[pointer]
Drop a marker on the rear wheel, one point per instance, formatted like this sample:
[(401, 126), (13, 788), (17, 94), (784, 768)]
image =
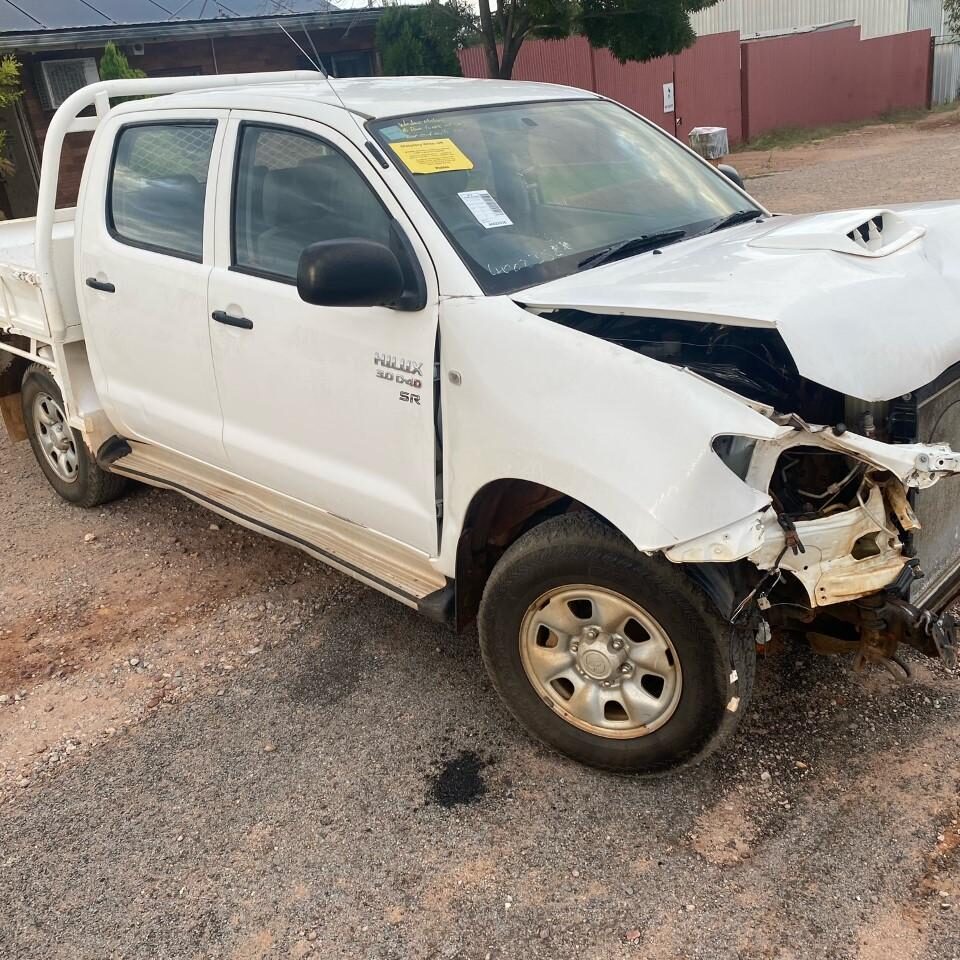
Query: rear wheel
[(615, 658), (60, 451)]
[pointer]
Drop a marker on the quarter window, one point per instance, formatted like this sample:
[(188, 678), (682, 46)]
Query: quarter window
[(293, 189), (158, 187)]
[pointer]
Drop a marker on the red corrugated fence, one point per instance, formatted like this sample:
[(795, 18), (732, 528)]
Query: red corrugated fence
[(549, 61), (707, 79), (805, 80), (639, 85), (817, 79)]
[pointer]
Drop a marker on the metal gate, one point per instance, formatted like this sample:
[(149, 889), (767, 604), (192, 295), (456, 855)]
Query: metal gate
[(707, 82), (946, 69)]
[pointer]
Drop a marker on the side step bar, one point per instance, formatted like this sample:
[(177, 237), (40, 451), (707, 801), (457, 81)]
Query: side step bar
[(390, 567), (111, 451)]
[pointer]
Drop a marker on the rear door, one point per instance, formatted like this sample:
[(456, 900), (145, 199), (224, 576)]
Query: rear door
[(145, 257), (331, 405)]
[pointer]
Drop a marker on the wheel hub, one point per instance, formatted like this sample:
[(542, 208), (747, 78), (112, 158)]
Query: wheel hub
[(55, 437), (599, 658), (600, 661)]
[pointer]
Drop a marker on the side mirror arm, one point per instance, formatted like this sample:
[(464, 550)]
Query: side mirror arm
[(414, 296), (731, 173)]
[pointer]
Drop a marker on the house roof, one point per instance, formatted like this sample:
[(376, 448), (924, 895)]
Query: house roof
[(28, 16), (56, 23)]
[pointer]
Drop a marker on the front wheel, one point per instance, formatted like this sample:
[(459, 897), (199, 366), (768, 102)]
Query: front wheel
[(60, 451), (612, 657)]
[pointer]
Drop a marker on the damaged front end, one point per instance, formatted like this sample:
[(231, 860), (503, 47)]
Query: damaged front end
[(834, 554), (846, 319), (839, 554)]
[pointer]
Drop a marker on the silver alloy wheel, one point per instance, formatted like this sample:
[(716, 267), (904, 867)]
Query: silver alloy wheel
[(600, 661), (56, 437)]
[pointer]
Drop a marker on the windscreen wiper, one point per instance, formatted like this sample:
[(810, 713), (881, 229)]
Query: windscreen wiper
[(627, 248), (732, 219)]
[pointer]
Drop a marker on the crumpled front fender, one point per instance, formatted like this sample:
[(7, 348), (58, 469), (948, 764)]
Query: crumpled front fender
[(527, 399), (847, 554), (915, 464)]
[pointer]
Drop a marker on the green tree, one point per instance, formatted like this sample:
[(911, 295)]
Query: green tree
[(629, 29), (115, 66), (10, 93), (402, 50), (424, 40), (951, 10)]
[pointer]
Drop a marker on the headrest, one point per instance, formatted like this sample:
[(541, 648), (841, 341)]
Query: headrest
[(447, 184), (287, 193)]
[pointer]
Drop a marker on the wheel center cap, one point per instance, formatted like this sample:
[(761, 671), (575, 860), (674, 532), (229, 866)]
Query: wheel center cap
[(596, 664)]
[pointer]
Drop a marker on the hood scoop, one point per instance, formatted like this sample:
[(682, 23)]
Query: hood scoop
[(860, 233)]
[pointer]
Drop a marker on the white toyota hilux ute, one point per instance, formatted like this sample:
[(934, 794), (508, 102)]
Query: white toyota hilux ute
[(506, 352)]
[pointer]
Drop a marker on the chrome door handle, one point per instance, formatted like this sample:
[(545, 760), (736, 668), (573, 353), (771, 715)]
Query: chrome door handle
[(102, 285), (221, 316)]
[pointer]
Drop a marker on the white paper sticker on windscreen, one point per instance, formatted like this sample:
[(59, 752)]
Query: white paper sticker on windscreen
[(488, 212)]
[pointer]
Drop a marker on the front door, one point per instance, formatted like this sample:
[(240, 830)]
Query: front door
[(331, 405), (145, 256)]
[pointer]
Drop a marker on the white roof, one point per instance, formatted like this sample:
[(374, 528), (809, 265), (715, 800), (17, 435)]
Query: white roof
[(375, 96)]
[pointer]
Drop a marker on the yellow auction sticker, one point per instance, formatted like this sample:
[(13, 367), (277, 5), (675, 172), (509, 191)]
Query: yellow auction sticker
[(431, 156)]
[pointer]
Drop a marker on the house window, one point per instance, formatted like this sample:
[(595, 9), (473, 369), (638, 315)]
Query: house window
[(356, 63), (57, 79), (176, 72)]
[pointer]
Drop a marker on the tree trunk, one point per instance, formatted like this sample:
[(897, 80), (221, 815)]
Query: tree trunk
[(509, 57), (489, 39), (512, 41)]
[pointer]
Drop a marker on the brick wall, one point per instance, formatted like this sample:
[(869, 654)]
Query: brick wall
[(243, 54)]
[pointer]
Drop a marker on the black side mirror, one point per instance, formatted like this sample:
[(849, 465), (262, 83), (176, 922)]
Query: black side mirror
[(731, 173), (349, 273)]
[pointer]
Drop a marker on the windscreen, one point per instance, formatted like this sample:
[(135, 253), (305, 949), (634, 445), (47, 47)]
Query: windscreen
[(527, 192)]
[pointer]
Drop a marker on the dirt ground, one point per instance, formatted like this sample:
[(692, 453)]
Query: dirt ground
[(874, 166), (212, 746)]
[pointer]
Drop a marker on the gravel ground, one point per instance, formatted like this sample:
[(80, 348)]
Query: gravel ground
[(211, 746), (874, 166)]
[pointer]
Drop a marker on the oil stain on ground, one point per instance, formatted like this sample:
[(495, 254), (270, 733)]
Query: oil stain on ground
[(458, 780)]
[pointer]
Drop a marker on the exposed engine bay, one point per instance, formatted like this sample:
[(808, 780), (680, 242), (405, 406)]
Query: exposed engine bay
[(753, 362), (835, 554)]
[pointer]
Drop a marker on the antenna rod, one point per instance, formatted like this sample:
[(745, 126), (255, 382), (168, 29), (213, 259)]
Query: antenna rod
[(310, 60), (318, 65)]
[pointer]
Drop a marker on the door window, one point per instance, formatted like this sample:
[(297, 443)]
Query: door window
[(158, 185), (293, 189)]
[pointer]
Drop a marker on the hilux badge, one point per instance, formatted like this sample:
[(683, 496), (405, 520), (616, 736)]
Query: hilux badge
[(408, 373), (393, 362)]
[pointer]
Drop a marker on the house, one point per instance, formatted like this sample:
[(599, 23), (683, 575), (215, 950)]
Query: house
[(59, 44)]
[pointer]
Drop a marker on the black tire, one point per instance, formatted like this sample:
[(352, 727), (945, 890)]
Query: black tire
[(717, 660), (90, 486)]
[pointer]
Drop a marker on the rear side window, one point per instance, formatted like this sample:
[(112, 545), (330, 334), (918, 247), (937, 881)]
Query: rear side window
[(293, 189), (158, 184)]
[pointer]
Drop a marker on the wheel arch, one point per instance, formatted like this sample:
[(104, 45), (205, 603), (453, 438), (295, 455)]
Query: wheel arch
[(504, 509), (499, 512), (89, 486)]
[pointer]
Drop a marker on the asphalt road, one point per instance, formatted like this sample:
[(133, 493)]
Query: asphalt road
[(214, 747)]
